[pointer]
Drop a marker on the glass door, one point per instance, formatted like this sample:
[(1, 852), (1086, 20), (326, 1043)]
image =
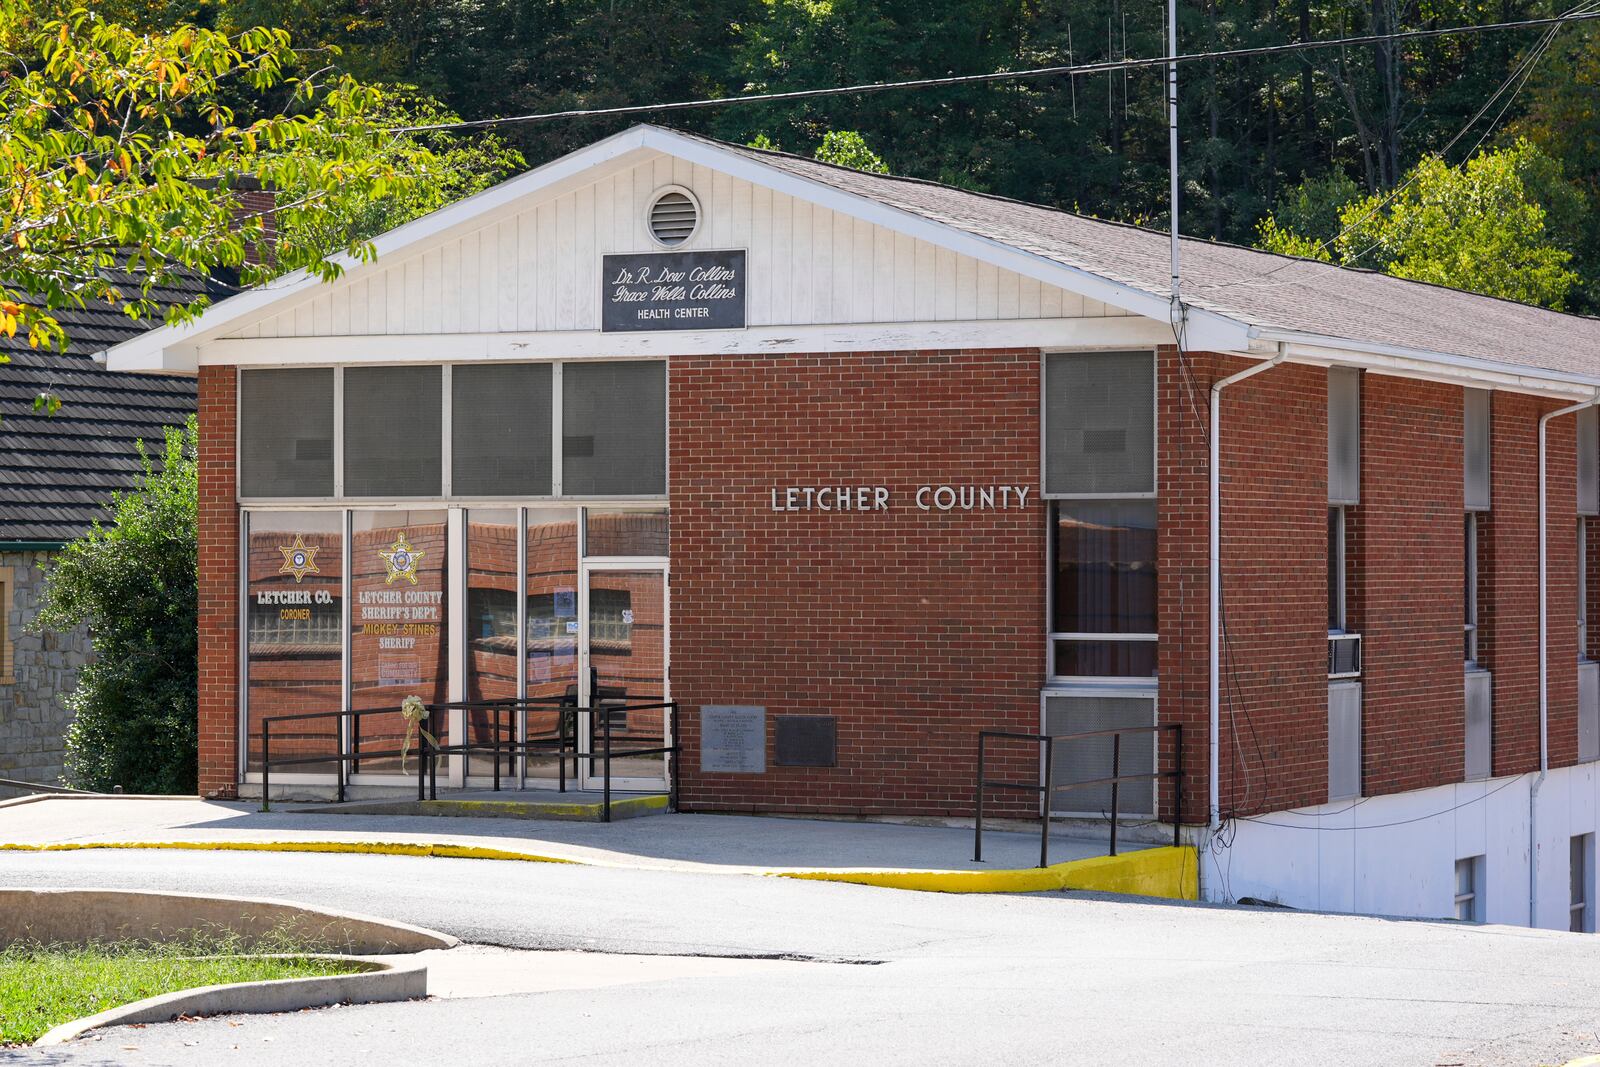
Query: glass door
[(623, 665)]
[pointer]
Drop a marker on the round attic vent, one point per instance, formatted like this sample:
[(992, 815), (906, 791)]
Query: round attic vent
[(674, 214)]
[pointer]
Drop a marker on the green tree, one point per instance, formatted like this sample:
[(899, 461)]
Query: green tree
[(119, 152), (847, 148), (1480, 227), (133, 584)]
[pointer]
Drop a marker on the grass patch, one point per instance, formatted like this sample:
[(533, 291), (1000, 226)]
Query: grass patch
[(43, 986)]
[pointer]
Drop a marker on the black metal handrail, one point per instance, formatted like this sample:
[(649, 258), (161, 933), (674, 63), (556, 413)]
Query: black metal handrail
[(1046, 788), (428, 750)]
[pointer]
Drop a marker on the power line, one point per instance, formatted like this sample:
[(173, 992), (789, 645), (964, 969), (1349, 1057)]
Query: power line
[(999, 76)]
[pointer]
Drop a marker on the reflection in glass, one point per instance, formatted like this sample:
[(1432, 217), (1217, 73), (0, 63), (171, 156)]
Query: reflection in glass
[(628, 651), (616, 532), (1105, 579), (294, 622), (1105, 583), (491, 631), (398, 633), (552, 652)]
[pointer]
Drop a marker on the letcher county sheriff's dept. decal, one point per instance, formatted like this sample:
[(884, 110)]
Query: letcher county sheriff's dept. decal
[(299, 559), (401, 559)]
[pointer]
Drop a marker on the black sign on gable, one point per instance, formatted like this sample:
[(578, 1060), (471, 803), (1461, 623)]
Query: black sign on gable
[(672, 291)]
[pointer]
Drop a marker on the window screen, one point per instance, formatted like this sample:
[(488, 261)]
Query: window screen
[(1090, 759), (500, 430), (1475, 448), (286, 432), (614, 429), (1344, 435), (392, 418), (1344, 740), (1100, 432), (1589, 462)]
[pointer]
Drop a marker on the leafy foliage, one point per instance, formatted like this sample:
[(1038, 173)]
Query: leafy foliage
[(120, 152), (133, 583), (847, 148), (1483, 227)]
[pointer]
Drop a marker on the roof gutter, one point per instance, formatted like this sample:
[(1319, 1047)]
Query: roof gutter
[(1420, 363), (1544, 658), (1214, 516)]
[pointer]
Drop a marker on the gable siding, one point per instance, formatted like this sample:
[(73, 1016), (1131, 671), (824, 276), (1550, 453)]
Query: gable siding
[(539, 270)]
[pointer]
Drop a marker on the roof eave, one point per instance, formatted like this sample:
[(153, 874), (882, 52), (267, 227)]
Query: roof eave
[(1416, 362)]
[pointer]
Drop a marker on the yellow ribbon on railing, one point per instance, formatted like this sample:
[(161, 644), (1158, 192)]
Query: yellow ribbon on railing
[(413, 711)]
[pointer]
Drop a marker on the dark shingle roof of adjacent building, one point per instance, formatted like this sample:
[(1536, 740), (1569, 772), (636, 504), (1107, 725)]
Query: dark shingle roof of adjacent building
[(57, 472), (1246, 284)]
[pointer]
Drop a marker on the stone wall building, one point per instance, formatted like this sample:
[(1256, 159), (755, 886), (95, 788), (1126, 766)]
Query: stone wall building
[(57, 475)]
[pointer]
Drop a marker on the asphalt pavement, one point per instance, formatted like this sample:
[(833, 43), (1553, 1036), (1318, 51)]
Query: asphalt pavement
[(909, 977)]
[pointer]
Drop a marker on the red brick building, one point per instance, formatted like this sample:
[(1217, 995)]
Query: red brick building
[(876, 464)]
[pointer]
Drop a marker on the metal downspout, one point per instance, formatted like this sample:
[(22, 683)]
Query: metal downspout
[(1214, 672), (1544, 664)]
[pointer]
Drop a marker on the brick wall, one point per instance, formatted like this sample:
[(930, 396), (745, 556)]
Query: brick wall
[(219, 584), (1274, 478), (915, 628), (1508, 584), (1406, 595)]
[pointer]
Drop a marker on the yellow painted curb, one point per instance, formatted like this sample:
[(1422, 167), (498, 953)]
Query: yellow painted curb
[(368, 848), (1173, 873)]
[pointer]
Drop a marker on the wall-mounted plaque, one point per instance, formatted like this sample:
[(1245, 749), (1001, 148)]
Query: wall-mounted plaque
[(672, 291), (806, 741), (733, 739)]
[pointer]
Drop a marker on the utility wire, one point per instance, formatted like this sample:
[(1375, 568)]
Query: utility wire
[(1000, 76)]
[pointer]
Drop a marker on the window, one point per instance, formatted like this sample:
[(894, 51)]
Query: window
[(1475, 449), (614, 429), (7, 669), (500, 429), (286, 432), (1336, 571), (1583, 589), (469, 431), (1469, 889), (623, 532), (392, 422), (1588, 443), (1344, 647), (1103, 603), (1581, 876), (1469, 589), (1099, 470), (294, 623), (1344, 435), (1100, 424)]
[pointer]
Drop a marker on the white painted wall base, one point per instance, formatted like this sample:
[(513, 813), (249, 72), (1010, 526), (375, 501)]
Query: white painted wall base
[(1395, 855)]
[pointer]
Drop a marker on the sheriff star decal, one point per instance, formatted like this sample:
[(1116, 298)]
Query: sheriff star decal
[(299, 559), (401, 559)]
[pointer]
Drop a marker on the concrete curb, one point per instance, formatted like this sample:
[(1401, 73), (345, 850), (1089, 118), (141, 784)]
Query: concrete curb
[(625, 808), (75, 916), (370, 848), (1171, 873), (384, 982)]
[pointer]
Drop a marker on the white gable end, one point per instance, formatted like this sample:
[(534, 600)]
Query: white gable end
[(515, 272), (538, 270)]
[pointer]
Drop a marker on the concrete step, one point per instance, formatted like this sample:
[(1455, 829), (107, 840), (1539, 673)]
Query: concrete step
[(539, 804)]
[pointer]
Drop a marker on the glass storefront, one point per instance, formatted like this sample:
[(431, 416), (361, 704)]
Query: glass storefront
[(416, 629), (294, 630)]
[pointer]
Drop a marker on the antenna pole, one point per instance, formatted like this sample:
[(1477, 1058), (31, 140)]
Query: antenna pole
[(1172, 152)]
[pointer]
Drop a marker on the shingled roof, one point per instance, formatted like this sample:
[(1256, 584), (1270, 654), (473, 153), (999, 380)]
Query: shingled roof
[(1258, 288), (57, 472)]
